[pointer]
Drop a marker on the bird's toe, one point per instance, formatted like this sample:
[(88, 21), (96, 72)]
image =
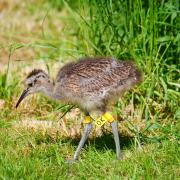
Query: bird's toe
[(120, 157)]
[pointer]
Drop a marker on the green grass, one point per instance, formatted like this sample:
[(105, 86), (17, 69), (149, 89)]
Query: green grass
[(146, 31), (33, 156)]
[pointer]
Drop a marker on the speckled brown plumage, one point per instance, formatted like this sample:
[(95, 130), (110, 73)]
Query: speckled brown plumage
[(90, 83), (93, 82), (35, 72)]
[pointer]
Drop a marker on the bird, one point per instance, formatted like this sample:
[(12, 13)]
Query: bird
[(91, 83)]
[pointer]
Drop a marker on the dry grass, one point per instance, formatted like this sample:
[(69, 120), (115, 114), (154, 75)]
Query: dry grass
[(27, 23)]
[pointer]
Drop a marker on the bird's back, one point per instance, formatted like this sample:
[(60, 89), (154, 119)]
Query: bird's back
[(97, 79)]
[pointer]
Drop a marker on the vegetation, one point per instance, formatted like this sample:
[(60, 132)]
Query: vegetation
[(43, 33)]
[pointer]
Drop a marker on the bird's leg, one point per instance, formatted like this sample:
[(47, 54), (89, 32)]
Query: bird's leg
[(110, 119), (116, 139), (83, 140), (84, 137)]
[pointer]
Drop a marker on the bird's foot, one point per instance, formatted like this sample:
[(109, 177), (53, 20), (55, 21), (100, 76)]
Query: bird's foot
[(120, 156), (71, 161), (116, 161)]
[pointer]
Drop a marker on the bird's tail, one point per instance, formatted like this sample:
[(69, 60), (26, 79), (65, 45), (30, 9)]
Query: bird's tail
[(135, 72), (138, 75)]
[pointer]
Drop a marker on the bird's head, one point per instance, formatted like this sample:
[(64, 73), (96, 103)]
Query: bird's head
[(36, 81)]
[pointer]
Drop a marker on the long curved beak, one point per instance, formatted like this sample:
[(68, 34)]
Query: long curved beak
[(23, 95)]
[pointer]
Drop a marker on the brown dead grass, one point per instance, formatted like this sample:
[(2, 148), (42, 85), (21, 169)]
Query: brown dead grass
[(24, 22), (71, 125)]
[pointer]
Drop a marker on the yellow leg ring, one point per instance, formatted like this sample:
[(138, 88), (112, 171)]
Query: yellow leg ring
[(103, 119), (87, 120), (108, 117)]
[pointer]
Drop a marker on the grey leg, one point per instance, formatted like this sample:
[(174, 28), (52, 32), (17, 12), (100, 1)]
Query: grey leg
[(82, 141), (116, 139)]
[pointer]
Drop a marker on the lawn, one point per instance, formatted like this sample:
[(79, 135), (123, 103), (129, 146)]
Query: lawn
[(35, 141)]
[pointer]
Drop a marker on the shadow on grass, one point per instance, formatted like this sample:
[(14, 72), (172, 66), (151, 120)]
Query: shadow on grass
[(104, 141)]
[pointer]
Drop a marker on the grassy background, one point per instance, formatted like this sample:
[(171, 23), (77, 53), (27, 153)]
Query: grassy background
[(46, 34)]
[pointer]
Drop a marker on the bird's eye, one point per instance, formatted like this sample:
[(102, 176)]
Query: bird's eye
[(30, 84)]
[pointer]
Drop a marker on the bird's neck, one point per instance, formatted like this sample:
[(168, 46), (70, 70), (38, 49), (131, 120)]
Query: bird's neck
[(50, 92)]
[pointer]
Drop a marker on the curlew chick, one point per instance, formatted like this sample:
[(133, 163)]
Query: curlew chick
[(90, 83)]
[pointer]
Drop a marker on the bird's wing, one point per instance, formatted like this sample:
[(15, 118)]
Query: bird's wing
[(94, 74), (65, 71), (107, 73)]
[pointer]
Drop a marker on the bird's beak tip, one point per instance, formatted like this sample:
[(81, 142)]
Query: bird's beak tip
[(23, 95)]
